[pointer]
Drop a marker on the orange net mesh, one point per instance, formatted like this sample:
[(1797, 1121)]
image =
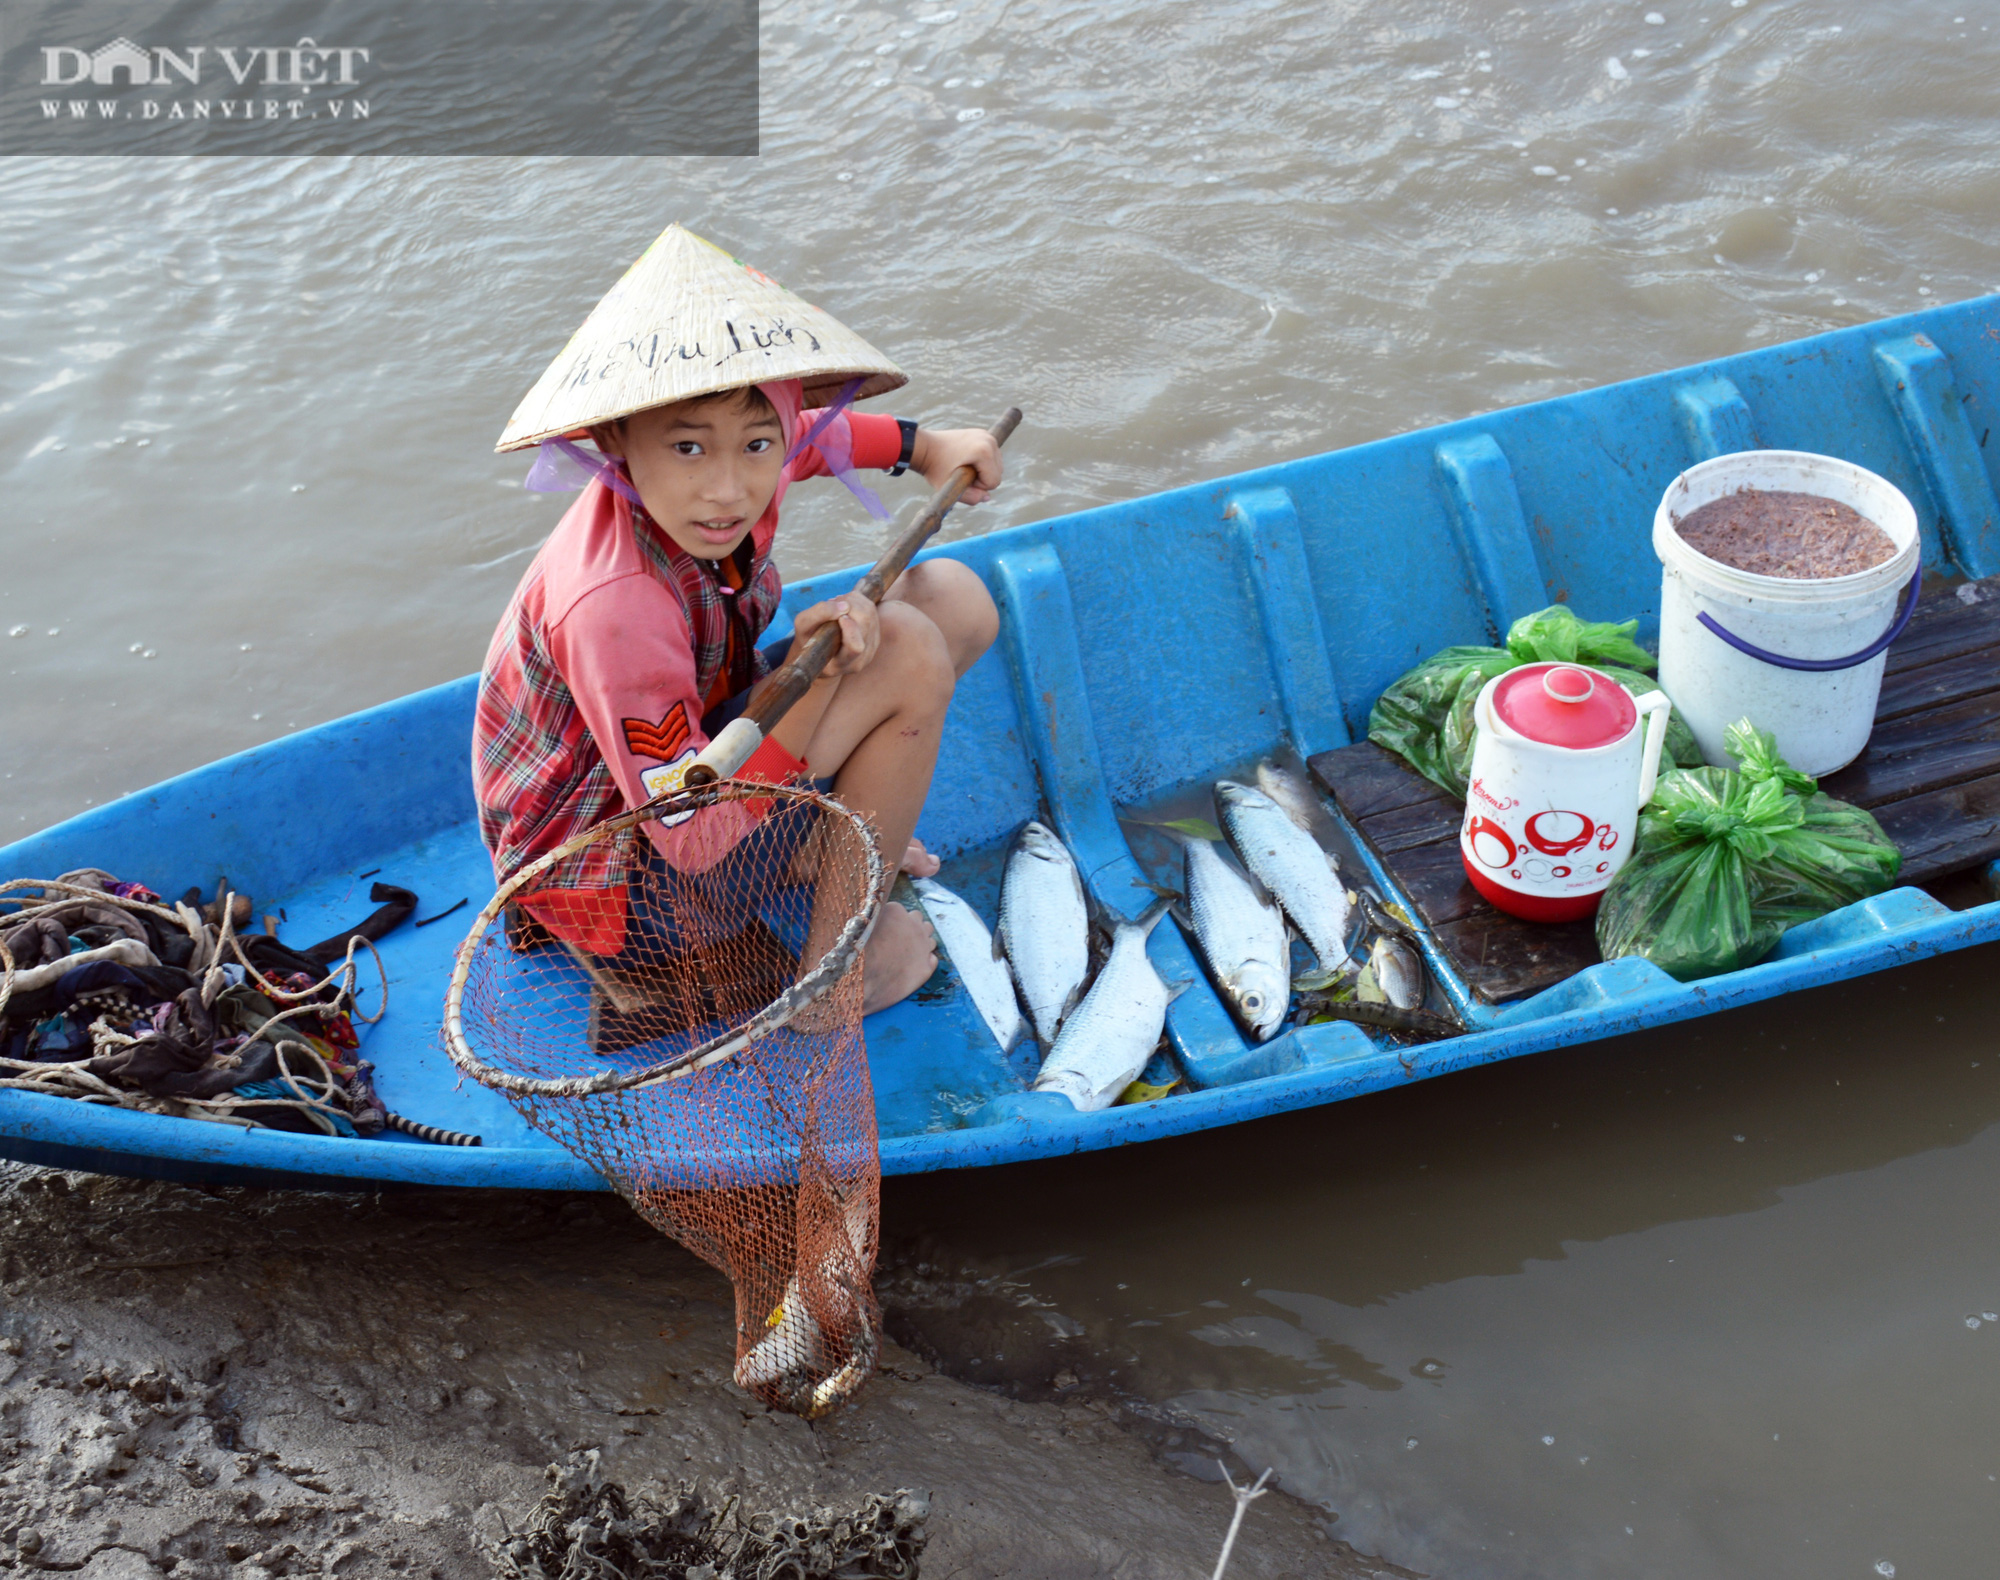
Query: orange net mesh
[(690, 1026)]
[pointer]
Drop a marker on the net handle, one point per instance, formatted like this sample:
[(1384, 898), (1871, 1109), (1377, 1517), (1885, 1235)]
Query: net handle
[(784, 686), (832, 966)]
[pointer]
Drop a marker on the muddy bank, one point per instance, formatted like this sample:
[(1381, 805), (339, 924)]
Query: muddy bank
[(243, 1383)]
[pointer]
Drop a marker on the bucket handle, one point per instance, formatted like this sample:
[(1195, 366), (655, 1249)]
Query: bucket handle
[(1820, 665)]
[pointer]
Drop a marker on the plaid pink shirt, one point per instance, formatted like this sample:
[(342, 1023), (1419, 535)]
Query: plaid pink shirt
[(591, 696)]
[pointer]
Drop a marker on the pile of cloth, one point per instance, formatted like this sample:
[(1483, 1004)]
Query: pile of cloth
[(109, 995)]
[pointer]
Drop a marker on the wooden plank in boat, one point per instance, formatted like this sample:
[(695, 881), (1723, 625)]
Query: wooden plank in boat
[(1365, 781), (1945, 831), (1946, 626), (1433, 876), (1938, 685), (1923, 751), (1425, 823), (1502, 958)]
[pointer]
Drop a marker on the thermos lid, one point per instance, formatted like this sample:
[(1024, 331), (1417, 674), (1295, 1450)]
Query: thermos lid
[(1564, 705)]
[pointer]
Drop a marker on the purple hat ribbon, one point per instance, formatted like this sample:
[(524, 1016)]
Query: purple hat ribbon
[(561, 467), (835, 443)]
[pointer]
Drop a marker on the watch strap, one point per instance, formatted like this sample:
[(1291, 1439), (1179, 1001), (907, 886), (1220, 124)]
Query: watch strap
[(909, 427)]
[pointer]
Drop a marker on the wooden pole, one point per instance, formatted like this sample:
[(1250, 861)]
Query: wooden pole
[(784, 686)]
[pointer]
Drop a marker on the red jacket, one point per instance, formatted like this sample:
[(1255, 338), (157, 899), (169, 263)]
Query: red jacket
[(593, 689)]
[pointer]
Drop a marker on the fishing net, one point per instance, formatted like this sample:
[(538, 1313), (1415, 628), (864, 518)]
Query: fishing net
[(675, 997)]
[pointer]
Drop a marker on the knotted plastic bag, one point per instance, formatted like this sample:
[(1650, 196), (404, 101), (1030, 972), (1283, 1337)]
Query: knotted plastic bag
[(1426, 717), (1725, 861)]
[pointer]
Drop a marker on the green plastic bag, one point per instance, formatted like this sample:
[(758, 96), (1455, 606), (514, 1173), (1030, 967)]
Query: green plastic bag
[(1724, 862), (1426, 717)]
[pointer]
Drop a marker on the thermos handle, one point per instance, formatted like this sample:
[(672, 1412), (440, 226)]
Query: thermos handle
[(1655, 706)]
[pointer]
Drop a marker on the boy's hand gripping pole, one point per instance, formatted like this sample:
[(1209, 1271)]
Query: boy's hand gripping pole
[(776, 693)]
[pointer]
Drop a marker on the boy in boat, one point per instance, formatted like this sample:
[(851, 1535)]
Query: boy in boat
[(633, 636)]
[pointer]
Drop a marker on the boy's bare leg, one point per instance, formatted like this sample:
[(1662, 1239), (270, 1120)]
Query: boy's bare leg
[(956, 601), (880, 735), (881, 730)]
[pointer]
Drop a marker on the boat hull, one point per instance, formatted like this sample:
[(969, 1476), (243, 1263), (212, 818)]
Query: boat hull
[(1320, 580)]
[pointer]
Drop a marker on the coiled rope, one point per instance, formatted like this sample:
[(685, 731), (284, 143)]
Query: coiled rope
[(316, 1090)]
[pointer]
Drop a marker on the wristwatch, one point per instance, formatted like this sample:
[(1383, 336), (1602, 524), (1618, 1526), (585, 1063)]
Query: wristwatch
[(909, 427)]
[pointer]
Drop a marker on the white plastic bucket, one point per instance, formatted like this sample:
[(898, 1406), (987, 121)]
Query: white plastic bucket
[(1820, 715)]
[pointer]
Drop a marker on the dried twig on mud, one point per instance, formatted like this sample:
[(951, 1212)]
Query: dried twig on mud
[(1244, 1496)]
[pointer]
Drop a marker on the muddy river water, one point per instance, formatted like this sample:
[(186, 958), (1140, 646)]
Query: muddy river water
[(1706, 1301)]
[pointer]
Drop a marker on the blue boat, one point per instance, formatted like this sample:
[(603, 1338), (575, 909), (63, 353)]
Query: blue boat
[(1147, 648)]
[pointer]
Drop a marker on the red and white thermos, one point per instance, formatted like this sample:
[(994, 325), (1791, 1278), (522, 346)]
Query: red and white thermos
[(1559, 772)]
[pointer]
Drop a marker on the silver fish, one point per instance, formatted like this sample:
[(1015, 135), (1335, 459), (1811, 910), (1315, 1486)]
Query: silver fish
[(791, 1342), (1399, 971), (1242, 935), (1044, 928), (1291, 793), (793, 1348), (784, 1362), (1106, 1043), (1289, 862), (976, 958)]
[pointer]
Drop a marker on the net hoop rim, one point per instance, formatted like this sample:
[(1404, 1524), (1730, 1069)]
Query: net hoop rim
[(832, 966)]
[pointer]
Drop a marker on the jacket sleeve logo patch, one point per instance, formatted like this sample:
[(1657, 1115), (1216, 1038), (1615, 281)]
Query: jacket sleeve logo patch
[(665, 780), (663, 741)]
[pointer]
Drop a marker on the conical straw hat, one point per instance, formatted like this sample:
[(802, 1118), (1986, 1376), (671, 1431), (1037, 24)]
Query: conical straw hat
[(687, 319)]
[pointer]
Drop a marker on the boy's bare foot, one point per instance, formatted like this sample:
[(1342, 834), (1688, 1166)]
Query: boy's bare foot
[(918, 862), (900, 955)]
